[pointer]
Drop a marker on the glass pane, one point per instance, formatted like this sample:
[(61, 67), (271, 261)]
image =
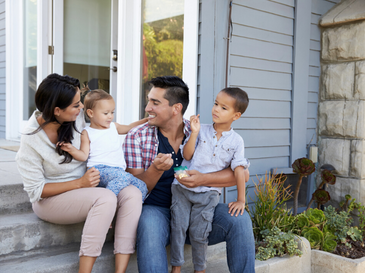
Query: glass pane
[(87, 36), (162, 35), (30, 56)]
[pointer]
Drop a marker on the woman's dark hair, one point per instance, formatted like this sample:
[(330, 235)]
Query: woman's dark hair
[(57, 91)]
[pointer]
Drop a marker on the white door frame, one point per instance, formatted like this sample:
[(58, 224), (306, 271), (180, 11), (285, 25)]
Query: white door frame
[(129, 67), (129, 57)]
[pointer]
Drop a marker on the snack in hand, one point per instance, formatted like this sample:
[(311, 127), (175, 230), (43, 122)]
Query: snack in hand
[(181, 171)]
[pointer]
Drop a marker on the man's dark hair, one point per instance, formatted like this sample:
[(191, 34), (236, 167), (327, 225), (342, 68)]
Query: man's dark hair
[(176, 90), (240, 96)]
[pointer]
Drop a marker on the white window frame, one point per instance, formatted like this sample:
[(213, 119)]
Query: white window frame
[(14, 61)]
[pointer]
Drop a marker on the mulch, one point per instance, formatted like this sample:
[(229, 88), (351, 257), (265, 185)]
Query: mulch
[(356, 251)]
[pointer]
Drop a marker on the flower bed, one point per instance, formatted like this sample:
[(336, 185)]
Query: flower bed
[(287, 264)]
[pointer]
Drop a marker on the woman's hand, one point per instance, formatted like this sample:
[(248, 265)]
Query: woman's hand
[(90, 179)]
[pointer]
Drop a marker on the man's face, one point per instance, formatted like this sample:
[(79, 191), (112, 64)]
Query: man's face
[(158, 107)]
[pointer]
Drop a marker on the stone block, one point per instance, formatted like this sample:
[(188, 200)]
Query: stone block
[(357, 166), (349, 186), (342, 118), (338, 81), (331, 118), (362, 193), (335, 191), (344, 43), (360, 80), (335, 152)]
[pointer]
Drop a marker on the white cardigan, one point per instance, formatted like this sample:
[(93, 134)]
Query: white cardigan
[(38, 161)]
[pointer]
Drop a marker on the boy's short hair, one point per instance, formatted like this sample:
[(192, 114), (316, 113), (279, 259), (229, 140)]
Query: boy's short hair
[(240, 96), (93, 97), (176, 90)]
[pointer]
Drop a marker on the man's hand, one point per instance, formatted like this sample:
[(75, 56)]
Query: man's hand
[(194, 180), (163, 162), (237, 207)]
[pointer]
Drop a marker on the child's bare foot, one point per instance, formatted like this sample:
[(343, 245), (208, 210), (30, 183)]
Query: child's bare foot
[(201, 271), (176, 269)]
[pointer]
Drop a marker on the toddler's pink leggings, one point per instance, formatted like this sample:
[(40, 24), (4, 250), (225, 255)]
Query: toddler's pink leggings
[(96, 206)]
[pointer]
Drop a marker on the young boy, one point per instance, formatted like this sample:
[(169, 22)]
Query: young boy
[(210, 148), (101, 145)]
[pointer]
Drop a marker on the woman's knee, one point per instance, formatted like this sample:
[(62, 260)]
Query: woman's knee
[(130, 194), (107, 198)]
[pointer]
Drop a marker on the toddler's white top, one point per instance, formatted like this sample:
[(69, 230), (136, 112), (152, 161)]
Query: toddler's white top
[(105, 147)]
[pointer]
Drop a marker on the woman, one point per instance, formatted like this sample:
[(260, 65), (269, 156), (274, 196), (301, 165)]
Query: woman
[(60, 190)]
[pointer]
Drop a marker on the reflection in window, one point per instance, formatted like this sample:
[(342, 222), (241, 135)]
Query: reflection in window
[(162, 35), (87, 32), (30, 56)]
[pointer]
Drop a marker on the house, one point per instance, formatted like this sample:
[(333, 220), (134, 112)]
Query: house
[(270, 48)]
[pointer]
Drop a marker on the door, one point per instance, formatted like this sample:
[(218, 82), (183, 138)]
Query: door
[(69, 37), (85, 42)]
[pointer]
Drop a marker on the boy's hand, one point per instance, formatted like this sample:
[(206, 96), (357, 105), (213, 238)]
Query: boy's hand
[(195, 123), (67, 147), (237, 207)]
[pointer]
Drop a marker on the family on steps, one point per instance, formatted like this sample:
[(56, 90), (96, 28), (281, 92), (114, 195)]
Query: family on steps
[(74, 173)]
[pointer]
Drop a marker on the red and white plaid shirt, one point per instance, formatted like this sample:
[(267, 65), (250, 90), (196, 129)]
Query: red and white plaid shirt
[(141, 145)]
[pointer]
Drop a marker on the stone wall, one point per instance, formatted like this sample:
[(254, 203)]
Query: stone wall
[(341, 125)]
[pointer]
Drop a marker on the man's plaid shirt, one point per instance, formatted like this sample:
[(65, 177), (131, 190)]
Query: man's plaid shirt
[(141, 145)]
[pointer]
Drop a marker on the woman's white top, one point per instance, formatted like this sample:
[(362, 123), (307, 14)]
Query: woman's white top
[(38, 161), (105, 147)]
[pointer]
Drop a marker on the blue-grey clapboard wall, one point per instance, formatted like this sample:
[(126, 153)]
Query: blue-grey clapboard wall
[(279, 70), (2, 69)]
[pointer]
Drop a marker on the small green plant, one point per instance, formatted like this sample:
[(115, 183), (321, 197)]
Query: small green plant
[(312, 224), (303, 167), (269, 208), (350, 205), (277, 243)]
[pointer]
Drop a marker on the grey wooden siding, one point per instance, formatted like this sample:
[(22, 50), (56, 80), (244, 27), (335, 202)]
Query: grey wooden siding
[(2, 69), (319, 7), (261, 60)]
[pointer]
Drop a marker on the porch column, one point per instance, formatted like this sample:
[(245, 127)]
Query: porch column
[(341, 120)]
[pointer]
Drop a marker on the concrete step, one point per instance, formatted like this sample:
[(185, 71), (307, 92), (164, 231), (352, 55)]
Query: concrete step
[(65, 260), (13, 199), (25, 231)]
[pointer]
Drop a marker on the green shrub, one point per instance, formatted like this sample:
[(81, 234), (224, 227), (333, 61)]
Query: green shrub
[(277, 243)]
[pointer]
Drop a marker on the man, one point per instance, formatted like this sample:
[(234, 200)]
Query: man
[(151, 152)]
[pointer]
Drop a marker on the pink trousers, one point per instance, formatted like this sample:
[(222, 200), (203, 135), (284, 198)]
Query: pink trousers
[(97, 207)]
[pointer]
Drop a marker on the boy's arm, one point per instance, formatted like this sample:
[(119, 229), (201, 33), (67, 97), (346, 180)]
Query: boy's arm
[(124, 129), (189, 147), (238, 207), (83, 153)]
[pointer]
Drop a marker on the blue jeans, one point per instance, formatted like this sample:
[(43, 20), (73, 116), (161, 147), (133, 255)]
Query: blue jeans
[(153, 235)]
